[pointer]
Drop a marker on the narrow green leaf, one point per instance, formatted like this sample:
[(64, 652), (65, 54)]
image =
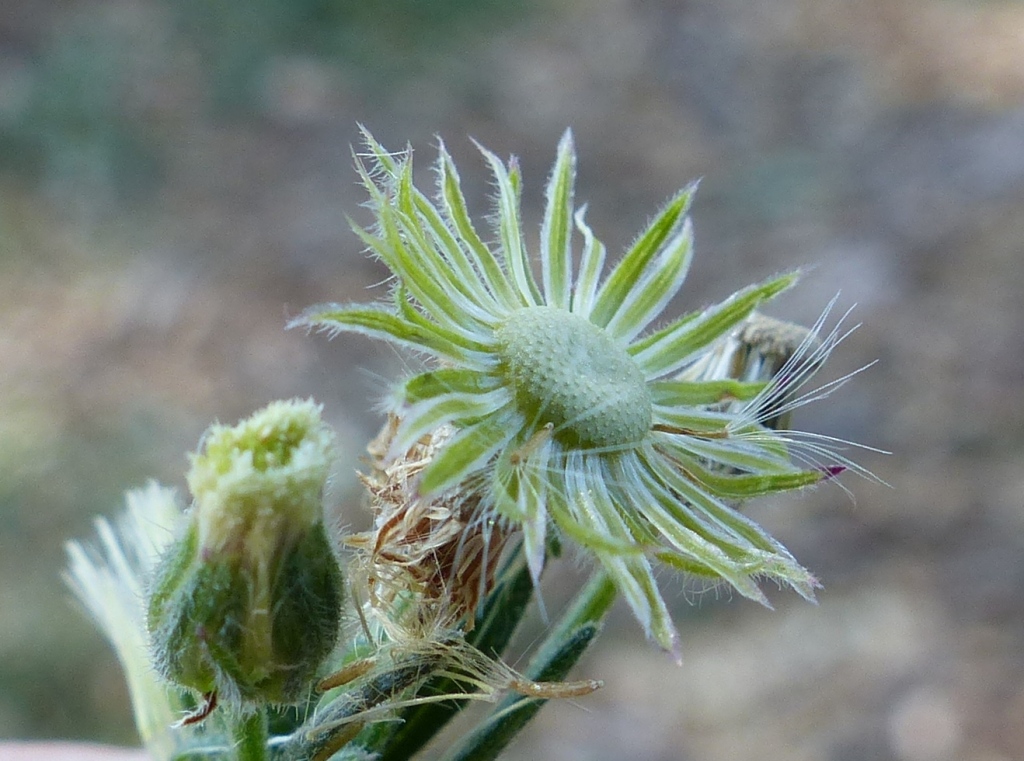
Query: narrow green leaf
[(504, 608), (497, 621), (565, 643), (489, 738), (249, 733)]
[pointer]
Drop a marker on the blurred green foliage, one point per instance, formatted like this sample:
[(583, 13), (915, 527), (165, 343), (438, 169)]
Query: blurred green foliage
[(72, 125), (381, 43), (92, 111)]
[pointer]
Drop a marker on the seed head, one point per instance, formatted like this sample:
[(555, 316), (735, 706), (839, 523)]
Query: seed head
[(562, 408)]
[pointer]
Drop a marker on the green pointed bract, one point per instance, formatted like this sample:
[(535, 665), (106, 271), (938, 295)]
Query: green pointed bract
[(567, 409), (460, 224), (375, 322), (555, 243), (510, 234), (430, 414), (471, 449), (670, 349), (445, 380), (675, 393), (623, 277), (521, 493), (655, 287), (594, 508), (591, 264)]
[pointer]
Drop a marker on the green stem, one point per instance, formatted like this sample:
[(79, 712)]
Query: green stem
[(589, 607), (249, 732), (563, 646), (494, 628)]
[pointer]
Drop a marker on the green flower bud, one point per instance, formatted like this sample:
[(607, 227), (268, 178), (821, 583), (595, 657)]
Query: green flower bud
[(246, 604)]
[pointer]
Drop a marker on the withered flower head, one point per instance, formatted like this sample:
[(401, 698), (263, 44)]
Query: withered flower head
[(429, 560)]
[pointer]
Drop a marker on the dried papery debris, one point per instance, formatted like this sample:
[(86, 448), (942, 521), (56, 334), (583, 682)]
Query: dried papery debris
[(429, 561)]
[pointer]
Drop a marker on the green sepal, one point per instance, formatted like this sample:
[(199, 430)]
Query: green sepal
[(196, 623), (207, 636), (171, 576), (307, 595)]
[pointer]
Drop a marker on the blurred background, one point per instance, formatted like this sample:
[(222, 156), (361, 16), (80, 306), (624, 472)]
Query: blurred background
[(174, 180)]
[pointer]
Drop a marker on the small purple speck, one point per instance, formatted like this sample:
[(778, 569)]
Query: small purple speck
[(831, 471)]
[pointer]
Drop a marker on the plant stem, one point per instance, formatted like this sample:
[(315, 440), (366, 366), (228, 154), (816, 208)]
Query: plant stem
[(563, 646), (589, 607), (249, 732), (500, 617)]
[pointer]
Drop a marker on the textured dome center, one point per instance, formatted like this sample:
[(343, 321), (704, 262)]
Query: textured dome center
[(567, 371)]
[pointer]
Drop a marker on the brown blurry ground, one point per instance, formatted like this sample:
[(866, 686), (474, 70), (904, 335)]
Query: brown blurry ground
[(173, 183)]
